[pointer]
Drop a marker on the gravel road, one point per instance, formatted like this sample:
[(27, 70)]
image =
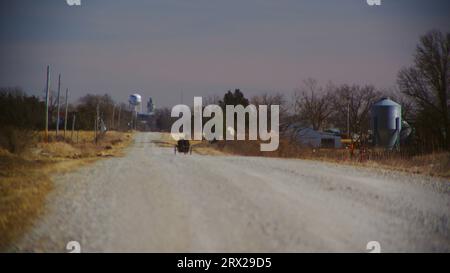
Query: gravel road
[(153, 201)]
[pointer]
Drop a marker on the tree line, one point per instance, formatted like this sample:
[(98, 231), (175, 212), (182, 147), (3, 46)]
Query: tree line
[(422, 91), (22, 115)]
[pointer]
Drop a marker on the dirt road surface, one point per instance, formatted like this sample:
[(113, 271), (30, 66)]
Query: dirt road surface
[(154, 201)]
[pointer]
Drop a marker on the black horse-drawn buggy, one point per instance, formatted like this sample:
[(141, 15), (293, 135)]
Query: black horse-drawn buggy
[(183, 146)]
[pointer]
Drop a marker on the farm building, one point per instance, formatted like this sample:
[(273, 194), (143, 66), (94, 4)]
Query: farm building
[(309, 137)]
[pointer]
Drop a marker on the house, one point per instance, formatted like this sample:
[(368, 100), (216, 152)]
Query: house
[(309, 137)]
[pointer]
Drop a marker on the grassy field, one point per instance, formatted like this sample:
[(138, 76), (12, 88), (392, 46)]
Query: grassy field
[(25, 178), (434, 164)]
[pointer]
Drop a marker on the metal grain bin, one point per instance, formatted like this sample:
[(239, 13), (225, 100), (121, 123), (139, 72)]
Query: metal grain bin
[(386, 120)]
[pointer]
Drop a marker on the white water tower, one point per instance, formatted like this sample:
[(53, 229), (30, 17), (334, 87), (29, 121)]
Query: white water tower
[(135, 101)]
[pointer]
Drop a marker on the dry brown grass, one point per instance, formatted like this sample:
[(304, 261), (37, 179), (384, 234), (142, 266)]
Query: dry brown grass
[(25, 178), (23, 189), (434, 164)]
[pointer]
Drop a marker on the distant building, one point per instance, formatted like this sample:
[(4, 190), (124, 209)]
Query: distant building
[(309, 137), (150, 106)]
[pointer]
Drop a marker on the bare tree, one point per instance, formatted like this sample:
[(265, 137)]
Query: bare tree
[(212, 99), (52, 103), (427, 83), (313, 104), (163, 119), (87, 109), (406, 102), (352, 107), (270, 99), (20, 117)]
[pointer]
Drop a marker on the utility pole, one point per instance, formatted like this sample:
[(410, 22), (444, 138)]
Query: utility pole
[(118, 120), (47, 90), (73, 126), (96, 123), (58, 109), (112, 121), (348, 119), (65, 118), (95, 129), (132, 114)]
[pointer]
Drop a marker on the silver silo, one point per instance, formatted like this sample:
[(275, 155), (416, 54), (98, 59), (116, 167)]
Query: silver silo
[(386, 120)]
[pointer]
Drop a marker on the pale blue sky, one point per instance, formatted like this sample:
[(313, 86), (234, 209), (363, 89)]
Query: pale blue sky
[(160, 48)]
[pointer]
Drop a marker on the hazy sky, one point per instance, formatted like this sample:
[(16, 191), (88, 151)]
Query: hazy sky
[(161, 48)]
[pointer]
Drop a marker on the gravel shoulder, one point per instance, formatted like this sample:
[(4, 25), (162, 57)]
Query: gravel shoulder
[(153, 201)]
